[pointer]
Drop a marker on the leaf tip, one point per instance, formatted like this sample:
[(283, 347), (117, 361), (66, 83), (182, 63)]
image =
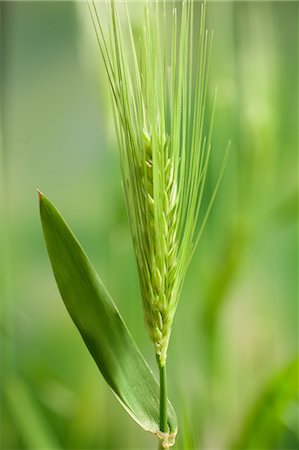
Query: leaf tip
[(40, 194)]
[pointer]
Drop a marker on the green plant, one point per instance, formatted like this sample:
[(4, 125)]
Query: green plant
[(160, 117)]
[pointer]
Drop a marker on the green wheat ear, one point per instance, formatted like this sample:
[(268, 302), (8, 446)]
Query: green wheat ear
[(159, 97)]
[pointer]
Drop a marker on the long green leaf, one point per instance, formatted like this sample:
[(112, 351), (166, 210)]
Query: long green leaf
[(100, 324)]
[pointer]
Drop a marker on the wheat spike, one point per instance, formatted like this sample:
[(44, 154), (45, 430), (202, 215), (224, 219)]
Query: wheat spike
[(159, 96)]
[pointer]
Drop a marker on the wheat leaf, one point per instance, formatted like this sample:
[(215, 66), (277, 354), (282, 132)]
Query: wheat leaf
[(100, 324)]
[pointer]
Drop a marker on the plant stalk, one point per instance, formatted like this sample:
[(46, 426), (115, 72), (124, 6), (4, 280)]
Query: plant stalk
[(163, 398), (160, 447)]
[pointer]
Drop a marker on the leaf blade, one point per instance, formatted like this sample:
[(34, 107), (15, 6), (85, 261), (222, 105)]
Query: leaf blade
[(100, 324)]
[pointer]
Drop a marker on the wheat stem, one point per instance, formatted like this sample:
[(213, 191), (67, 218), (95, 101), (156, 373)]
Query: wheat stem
[(163, 397), (160, 445)]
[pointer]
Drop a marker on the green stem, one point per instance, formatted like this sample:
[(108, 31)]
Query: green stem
[(160, 447), (163, 398)]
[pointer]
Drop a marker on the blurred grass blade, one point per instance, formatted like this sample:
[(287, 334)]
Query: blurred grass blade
[(187, 430), (264, 424), (100, 324), (29, 421)]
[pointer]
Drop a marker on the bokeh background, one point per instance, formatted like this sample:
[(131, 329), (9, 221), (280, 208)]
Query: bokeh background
[(232, 373)]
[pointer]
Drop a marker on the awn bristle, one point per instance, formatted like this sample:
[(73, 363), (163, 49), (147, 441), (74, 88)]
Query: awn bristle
[(159, 102)]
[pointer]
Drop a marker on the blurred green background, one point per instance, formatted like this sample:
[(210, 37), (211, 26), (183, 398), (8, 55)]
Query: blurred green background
[(232, 373)]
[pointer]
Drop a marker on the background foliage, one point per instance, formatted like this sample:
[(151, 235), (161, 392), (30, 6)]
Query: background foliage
[(232, 376)]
